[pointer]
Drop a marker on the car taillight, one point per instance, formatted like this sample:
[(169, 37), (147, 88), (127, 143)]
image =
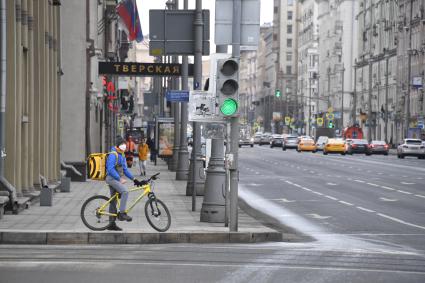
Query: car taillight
[(386, 146), (301, 144), (354, 146), (371, 146)]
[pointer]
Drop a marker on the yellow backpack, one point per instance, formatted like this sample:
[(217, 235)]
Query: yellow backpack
[(97, 165)]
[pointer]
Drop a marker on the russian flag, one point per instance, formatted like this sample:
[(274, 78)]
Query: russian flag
[(127, 10)]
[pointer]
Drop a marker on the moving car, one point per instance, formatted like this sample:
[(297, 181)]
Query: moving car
[(334, 146), (411, 147), (257, 137), (306, 144), (321, 141), (276, 140), (265, 138), (246, 140), (290, 142), (377, 147), (357, 146)]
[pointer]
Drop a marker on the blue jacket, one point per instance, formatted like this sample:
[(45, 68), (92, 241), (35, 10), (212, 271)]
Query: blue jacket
[(111, 161)]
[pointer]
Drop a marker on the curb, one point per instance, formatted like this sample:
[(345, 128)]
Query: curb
[(100, 238)]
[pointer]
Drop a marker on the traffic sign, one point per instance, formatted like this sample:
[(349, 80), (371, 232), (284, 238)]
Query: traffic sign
[(330, 116), (202, 107), (287, 120), (320, 121), (177, 95)]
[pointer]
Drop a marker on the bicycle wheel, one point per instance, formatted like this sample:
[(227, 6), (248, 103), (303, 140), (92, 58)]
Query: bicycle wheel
[(157, 215), (90, 216)]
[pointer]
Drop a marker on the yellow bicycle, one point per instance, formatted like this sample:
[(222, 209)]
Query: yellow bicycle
[(96, 210)]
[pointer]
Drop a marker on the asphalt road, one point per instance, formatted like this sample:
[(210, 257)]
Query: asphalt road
[(378, 199), (277, 262)]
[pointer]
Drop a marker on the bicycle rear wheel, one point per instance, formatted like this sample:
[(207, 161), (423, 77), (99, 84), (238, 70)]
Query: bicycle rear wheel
[(90, 213), (158, 215)]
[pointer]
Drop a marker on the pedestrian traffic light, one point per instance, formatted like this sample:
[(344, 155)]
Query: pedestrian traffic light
[(227, 87), (331, 124), (278, 93)]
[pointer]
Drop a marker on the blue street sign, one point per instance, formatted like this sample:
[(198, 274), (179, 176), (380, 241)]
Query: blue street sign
[(177, 95)]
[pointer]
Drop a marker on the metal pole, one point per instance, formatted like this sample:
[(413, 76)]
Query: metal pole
[(182, 169), (342, 99), (354, 94), (309, 104), (196, 161), (387, 56), (234, 126), (369, 103), (409, 73)]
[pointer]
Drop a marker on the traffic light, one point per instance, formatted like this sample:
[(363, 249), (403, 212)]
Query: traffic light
[(277, 93), (227, 87), (331, 124)]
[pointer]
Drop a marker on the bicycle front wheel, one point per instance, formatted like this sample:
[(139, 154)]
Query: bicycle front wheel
[(91, 215), (158, 215)]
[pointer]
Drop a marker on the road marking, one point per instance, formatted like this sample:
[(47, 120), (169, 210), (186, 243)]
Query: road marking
[(421, 196), (257, 173), (289, 182), (317, 216), (388, 199), (346, 203), (307, 189), (359, 181), (317, 193), (407, 183), (283, 200), (365, 209), (400, 221), (419, 178), (312, 172), (387, 188), (332, 198), (372, 184), (255, 185), (331, 184), (404, 192)]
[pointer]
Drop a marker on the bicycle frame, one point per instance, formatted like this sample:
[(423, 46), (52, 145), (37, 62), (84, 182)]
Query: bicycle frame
[(147, 189)]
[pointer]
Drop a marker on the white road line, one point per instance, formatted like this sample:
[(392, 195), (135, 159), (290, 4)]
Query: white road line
[(289, 182), (257, 173), (421, 196), (365, 209), (407, 183), (307, 189), (372, 184), (387, 188), (359, 181), (317, 193), (401, 221), (404, 192), (346, 203), (332, 198)]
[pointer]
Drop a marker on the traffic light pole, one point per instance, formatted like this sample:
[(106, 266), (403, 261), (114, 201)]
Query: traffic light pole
[(234, 124)]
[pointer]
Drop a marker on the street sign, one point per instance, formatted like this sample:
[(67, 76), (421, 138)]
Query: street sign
[(142, 69), (287, 120), (320, 122), (330, 116), (171, 32), (202, 107), (417, 82), (177, 95), (250, 22)]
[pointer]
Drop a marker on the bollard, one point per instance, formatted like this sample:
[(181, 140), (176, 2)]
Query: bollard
[(213, 206), (46, 196), (65, 184)]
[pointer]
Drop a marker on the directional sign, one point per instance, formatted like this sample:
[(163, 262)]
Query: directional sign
[(202, 107), (177, 95)]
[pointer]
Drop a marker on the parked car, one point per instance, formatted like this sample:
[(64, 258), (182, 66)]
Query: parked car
[(411, 147), (246, 140), (276, 140), (265, 138), (320, 143), (377, 147), (306, 144), (257, 137), (357, 146), (290, 142), (334, 146)]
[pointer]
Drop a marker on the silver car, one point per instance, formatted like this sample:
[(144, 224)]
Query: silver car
[(321, 141), (290, 142), (411, 147), (257, 137)]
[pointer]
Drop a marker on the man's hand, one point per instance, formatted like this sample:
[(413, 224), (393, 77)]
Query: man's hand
[(123, 181), (138, 183)]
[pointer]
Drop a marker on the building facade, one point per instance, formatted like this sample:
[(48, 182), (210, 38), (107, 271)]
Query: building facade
[(308, 61), (337, 53), (30, 96)]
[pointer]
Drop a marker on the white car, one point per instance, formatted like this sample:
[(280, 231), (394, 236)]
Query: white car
[(257, 137), (411, 147), (321, 141)]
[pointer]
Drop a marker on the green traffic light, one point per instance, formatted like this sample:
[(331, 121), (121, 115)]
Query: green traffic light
[(278, 93), (229, 107)]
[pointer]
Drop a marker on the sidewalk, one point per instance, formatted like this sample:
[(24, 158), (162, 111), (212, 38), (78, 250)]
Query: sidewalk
[(61, 222)]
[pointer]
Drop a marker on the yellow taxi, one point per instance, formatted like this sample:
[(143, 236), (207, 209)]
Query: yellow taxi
[(307, 144), (334, 146)]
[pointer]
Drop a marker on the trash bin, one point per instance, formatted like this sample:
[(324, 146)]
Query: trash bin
[(46, 196)]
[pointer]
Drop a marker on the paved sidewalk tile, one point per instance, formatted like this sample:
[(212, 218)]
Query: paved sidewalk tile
[(64, 215)]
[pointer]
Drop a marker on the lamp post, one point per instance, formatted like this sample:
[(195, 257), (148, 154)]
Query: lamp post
[(342, 97)]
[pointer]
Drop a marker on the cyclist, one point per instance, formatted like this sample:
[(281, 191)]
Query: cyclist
[(116, 167)]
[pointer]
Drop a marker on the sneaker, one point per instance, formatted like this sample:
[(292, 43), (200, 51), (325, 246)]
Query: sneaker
[(123, 216), (114, 227)]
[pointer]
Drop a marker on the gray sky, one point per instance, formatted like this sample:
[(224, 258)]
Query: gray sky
[(145, 5)]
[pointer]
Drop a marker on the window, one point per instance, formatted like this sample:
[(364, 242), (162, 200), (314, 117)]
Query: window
[(288, 56), (289, 15), (276, 9), (289, 29), (288, 70), (290, 2), (289, 42)]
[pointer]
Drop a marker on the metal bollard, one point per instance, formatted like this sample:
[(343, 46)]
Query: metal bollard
[(46, 196), (65, 184), (213, 206)]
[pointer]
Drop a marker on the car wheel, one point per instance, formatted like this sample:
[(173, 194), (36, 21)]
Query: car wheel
[(252, 145), (240, 146), (299, 151), (343, 153), (351, 153), (271, 146), (325, 153), (368, 153), (386, 153), (314, 151), (283, 148), (401, 156)]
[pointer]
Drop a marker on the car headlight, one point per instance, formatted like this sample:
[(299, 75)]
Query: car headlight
[(252, 139)]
